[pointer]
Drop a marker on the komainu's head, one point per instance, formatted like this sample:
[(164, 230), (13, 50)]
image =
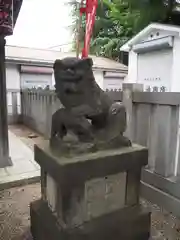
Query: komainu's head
[(71, 69), (73, 79)]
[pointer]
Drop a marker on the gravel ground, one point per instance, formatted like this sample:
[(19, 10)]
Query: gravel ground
[(14, 211), (15, 219), (164, 226)]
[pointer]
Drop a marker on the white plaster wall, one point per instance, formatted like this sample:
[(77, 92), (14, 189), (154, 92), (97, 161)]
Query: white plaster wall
[(155, 69), (12, 76), (161, 65), (12, 82), (98, 74), (158, 68), (175, 79), (111, 83), (29, 80), (132, 68)]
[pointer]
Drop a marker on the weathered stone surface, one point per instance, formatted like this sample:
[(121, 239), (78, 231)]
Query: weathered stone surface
[(89, 116), (127, 224), (51, 192), (95, 198), (87, 192), (105, 195), (80, 189), (74, 171)]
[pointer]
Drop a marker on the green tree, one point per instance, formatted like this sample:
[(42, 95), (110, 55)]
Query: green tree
[(113, 27), (117, 26), (118, 20), (163, 11)]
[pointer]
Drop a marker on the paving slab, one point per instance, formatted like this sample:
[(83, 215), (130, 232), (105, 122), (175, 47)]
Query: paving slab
[(24, 169)]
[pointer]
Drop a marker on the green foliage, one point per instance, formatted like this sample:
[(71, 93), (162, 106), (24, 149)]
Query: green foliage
[(118, 20), (164, 11), (115, 26)]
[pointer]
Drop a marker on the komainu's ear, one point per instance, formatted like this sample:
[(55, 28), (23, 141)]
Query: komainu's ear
[(88, 61), (57, 64)]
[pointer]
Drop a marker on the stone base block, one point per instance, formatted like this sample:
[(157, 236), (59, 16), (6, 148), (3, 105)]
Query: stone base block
[(131, 223), (78, 189)]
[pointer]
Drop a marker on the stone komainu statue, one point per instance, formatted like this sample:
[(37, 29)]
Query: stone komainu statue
[(89, 120)]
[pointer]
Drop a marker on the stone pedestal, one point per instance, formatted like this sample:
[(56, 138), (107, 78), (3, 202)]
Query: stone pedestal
[(90, 196)]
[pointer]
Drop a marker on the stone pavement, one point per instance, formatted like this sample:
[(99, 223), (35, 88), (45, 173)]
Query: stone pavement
[(24, 169)]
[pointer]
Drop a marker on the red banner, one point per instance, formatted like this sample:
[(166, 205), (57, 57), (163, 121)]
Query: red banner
[(9, 10)]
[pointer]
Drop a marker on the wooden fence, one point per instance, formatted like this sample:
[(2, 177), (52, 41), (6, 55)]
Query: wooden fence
[(37, 107), (153, 120)]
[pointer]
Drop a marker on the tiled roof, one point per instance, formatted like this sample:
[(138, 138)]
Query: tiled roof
[(49, 56), (153, 26)]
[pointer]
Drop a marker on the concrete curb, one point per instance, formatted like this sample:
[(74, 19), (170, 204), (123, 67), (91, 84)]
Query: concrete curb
[(19, 180)]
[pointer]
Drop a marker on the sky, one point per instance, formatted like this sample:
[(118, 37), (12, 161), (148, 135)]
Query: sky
[(42, 24)]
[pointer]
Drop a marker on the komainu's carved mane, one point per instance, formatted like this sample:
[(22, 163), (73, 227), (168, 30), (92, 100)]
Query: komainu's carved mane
[(89, 116)]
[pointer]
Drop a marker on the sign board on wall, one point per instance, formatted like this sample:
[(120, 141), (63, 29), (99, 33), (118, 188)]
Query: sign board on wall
[(113, 83), (35, 80), (154, 70), (36, 76)]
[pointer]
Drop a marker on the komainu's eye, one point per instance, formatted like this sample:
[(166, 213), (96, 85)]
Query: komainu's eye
[(70, 70), (114, 111)]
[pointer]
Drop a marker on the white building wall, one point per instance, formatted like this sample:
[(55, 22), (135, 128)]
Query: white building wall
[(98, 74), (12, 82), (12, 76), (160, 68), (30, 80), (132, 68), (114, 80), (155, 69), (175, 79), (16, 80)]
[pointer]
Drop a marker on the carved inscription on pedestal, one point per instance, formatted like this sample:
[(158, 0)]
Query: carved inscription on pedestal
[(105, 195), (96, 198)]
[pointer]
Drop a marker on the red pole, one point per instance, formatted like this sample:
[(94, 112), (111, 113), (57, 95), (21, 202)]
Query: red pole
[(90, 11)]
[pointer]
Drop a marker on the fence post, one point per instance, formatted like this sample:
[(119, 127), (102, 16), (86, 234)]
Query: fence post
[(128, 89), (48, 113), (14, 105), (22, 106)]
